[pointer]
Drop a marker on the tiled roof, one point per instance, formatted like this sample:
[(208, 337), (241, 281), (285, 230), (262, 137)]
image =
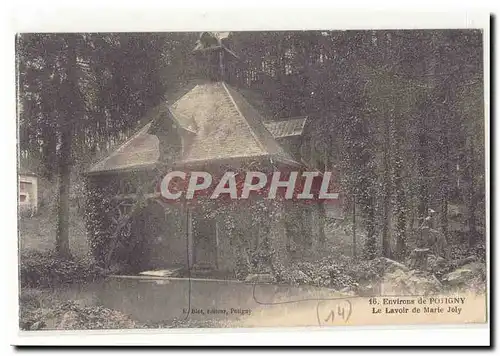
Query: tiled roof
[(286, 127), (209, 41), (22, 169), (228, 126), (141, 149), (22, 172), (224, 124)]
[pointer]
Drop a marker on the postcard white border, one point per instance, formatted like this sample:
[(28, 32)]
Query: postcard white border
[(126, 17)]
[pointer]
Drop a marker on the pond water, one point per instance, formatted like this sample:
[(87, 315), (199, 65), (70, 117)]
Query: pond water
[(156, 301)]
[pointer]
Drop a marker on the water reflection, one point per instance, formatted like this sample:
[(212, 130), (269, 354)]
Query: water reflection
[(161, 300)]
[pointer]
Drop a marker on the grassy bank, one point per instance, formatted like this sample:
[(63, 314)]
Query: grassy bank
[(39, 232), (42, 309), (42, 269)]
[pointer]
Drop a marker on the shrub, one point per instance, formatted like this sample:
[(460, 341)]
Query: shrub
[(242, 266), (337, 273), (186, 323), (30, 298), (71, 316), (263, 258), (366, 270), (47, 269)]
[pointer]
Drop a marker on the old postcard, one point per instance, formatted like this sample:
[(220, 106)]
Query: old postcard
[(243, 179)]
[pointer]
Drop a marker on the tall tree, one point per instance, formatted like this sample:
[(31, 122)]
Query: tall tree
[(71, 113), (80, 94)]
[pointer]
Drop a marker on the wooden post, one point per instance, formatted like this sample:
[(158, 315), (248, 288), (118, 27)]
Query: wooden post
[(221, 64), (354, 227), (189, 236), (216, 245)]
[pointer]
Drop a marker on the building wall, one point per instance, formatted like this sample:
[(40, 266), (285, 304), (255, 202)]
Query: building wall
[(237, 235), (171, 243), (226, 252), (169, 247), (278, 235), (238, 244), (28, 192)]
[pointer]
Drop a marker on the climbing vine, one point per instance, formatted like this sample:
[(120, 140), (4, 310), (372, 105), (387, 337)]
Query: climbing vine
[(108, 219), (97, 217), (258, 240)]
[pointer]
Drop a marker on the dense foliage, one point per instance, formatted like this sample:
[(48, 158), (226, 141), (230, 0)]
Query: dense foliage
[(397, 114), (39, 311), (48, 269), (335, 273)]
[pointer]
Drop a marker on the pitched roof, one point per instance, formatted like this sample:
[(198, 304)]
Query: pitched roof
[(224, 124), (228, 126), (142, 149), (209, 41), (25, 172), (22, 168), (286, 127)]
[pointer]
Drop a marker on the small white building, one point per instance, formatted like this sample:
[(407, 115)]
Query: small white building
[(28, 191)]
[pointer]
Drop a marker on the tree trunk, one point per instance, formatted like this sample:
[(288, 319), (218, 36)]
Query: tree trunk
[(445, 191), (71, 103), (400, 196), (423, 174), (471, 199), (321, 227), (386, 248), (424, 138), (371, 242), (354, 242), (400, 218), (62, 237)]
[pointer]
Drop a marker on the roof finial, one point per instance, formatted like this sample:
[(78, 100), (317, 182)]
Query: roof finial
[(212, 44)]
